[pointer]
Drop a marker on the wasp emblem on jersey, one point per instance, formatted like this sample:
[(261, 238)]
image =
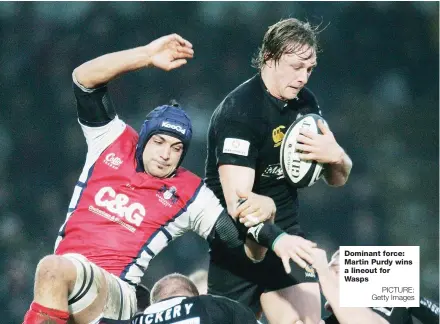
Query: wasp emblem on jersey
[(309, 272), (278, 135)]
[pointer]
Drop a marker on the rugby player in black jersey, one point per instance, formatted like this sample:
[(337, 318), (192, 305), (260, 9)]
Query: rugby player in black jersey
[(244, 139), (175, 299)]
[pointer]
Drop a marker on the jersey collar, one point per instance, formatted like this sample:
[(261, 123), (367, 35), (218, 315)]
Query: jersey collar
[(280, 104)]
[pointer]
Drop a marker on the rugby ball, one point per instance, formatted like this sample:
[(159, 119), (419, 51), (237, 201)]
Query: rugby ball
[(299, 173)]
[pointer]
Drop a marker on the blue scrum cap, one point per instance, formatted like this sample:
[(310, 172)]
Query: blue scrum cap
[(169, 120)]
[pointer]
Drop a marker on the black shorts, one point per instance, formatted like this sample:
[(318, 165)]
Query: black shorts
[(233, 275)]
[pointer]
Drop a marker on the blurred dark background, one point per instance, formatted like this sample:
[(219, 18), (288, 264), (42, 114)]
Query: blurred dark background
[(377, 83)]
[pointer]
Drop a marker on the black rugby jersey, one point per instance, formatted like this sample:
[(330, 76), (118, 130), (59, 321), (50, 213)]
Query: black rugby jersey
[(204, 309), (427, 313), (246, 129), (396, 315)]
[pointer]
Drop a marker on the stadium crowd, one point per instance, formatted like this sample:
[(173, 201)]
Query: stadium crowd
[(378, 82)]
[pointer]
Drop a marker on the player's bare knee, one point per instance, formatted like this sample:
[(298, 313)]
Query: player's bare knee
[(54, 268)]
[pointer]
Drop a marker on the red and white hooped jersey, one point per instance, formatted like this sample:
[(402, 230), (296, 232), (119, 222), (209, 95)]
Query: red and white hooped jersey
[(119, 218)]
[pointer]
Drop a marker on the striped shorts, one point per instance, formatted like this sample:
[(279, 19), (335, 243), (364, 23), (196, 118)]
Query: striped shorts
[(121, 299)]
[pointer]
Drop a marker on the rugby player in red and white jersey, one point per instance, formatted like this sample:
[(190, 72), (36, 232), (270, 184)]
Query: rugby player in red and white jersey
[(131, 200)]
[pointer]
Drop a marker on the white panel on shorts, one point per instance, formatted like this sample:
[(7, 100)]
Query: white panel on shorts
[(121, 300), (87, 283)]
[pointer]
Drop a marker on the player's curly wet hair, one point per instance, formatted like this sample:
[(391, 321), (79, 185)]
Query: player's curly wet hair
[(286, 36)]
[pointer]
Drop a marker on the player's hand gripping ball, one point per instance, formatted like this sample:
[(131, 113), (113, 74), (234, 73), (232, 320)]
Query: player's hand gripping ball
[(300, 173)]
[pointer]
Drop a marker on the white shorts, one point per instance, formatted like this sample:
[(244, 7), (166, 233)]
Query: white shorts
[(121, 300)]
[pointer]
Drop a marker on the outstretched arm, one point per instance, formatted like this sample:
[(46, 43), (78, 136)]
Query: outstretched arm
[(211, 221), (166, 53), (287, 247), (96, 112), (330, 289)]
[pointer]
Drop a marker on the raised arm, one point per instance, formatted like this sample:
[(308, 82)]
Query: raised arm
[(328, 281), (95, 109), (166, 53)]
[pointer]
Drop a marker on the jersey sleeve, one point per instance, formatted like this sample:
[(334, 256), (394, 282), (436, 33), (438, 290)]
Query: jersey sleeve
[(100, 127), (204, 211), (99, 138), (94, 106), (236, 138), (225, 310)]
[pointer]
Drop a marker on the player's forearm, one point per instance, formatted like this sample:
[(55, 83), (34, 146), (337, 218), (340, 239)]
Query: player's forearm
[(336, 174), (265, 234), (329, 287), (233, 179), (330, 290), (227, 232), (105, 68)]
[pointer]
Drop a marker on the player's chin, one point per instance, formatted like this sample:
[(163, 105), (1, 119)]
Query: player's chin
[(291, 93), (159, 172)]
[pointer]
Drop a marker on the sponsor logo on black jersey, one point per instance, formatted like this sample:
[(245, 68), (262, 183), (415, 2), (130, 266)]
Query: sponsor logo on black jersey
[(273, 171)]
